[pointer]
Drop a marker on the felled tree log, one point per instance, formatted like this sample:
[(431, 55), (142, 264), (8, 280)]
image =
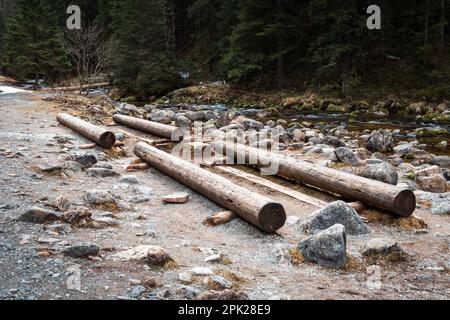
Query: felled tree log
[(380, 195), (102, 137), (258, 210), (154, 128)]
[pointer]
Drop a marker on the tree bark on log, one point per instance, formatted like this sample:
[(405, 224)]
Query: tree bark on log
[(258, 210), (102, 137), (154, 128), (380, 195)]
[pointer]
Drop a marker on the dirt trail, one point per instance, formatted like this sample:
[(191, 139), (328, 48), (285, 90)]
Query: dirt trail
[(256, 263)]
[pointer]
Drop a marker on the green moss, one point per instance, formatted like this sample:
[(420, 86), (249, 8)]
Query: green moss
[(129, 99), (335, 108), (411, 176), (410, 156), (431, 132)]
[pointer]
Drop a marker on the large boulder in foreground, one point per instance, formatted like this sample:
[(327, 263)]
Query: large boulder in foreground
[(337, 212), (327, 248)]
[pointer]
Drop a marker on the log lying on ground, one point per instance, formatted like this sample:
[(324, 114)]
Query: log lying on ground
[(102, 137), (258, 210), (157, 129), (380, 195)]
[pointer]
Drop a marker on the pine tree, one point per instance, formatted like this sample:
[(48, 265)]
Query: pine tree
[(34, 42), (145, 48)]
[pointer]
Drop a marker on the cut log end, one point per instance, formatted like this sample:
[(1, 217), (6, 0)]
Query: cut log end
[(272, 217), (405, 203), (107, 140)]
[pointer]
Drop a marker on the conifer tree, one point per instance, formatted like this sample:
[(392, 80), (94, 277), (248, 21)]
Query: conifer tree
[(34, 45)]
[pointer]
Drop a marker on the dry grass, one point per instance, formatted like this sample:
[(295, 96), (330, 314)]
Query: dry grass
[(409, 224), (296, 257)]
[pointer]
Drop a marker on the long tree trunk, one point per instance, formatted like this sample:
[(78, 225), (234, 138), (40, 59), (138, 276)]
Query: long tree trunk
[(262, 212), (397, 200)]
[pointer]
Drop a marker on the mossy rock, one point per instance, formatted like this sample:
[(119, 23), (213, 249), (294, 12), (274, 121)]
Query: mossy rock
[(411, 176), (129, 99), (354, 113), (335, 108), (431, 132)]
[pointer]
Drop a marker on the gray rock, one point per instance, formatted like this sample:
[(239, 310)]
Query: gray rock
[(442, 161), (101, 173), (86, 160), (127, 109), (347, 156), (130, 179), (188, 292), (434, 183), (182, 122), (327, 248), (333, 141), (250, 124), (382, 247), (139, 199), (9, 207), (137, 291), (219, 282), (84, 250), (337, 212), (72, 166), (382, 172), (226, 295), (380, 141), (39, 216), (447, 174), (103, 165), (99, 197), (50, 168)]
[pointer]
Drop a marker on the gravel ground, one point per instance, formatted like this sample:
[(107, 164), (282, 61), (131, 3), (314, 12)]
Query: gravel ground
[(33, 266)]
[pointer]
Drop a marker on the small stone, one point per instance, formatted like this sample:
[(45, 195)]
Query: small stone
[(327, 248), (219, 282), (98, 197), (50, 168), (153, 255), (347, 156), (62, 203), (428, 171), (435, 183), (176, 198), (337, 212), (441, 161), (382, 247), (202, 271), (101, 173), (185, 277), (382, 172), (86, 160), (213, 258), (137, 291), (380, 141), (129, 180), (72, 166), (188, 292), (82, 251), (226, 295), (39, 216), (103, 165)]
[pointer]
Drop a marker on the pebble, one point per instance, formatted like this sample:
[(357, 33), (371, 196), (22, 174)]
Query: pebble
[(176, 198)]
